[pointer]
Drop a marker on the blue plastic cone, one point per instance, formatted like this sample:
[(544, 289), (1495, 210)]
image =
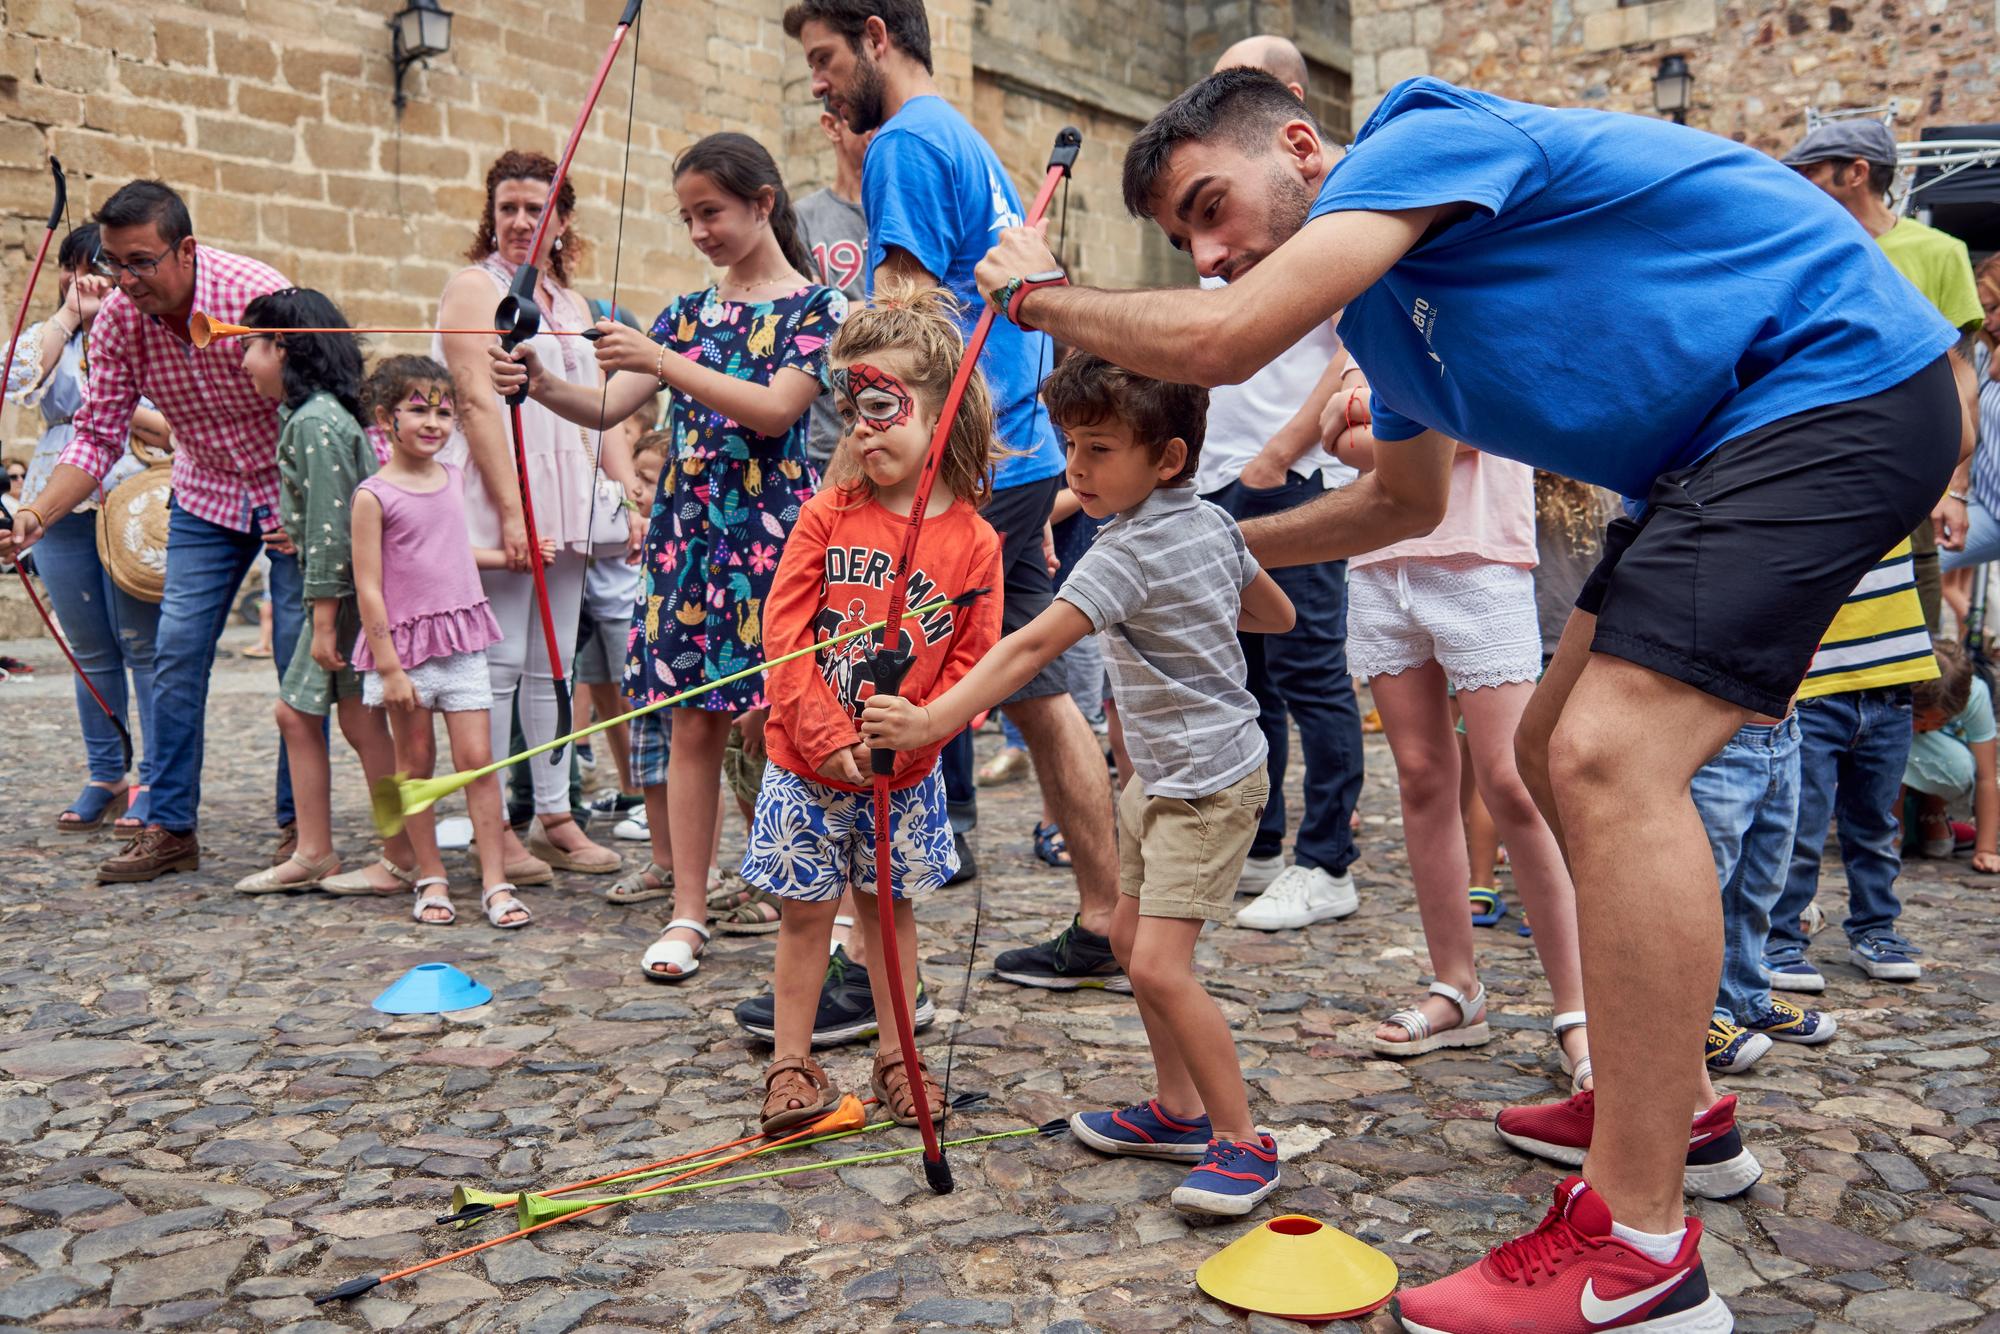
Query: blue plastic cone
[(432, 988)]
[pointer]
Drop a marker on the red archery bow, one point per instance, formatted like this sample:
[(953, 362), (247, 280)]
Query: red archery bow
[(517, 319), (891, 664), (6, 519)]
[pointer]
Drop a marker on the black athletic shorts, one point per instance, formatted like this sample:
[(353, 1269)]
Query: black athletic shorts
[(1018, 514), (1731, 577)]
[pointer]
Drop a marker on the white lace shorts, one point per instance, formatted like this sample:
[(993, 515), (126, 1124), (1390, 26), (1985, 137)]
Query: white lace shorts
[(457, 684), (1472, 617)]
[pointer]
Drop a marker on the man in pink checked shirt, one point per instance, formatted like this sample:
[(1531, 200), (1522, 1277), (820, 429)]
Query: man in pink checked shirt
[(225, 482)]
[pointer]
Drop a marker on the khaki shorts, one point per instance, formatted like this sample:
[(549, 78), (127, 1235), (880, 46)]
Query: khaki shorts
[(1182, 857)]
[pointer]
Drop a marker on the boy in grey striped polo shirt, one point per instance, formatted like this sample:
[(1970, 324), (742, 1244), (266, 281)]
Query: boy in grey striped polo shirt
[(1168, 584)]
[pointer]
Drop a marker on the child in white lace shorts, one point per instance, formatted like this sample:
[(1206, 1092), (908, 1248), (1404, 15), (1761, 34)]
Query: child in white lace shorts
[(1456, 608)]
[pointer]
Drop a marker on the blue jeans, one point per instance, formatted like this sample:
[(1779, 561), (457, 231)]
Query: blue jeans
[(110, 631), (1748, 796), (205, 565), (1303, 674), (1852, 750)]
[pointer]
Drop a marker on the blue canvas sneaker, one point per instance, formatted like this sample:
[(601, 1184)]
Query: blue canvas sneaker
[(1142, 1132), (1233, 1178), (1887, 958)]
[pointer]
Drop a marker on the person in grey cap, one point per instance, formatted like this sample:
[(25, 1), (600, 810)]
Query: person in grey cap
[(1855, 162)]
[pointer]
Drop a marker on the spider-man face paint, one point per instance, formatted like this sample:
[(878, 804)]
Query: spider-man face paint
[(876, 396)]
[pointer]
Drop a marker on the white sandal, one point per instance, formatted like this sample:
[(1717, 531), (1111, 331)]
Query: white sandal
[(426, 902), (1580, 1071), (498, 901), (270, 880), (675, 954), (1469, 1031)]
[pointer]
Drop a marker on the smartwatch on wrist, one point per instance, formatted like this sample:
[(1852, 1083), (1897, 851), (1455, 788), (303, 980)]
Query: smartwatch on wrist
[(1008, 299)]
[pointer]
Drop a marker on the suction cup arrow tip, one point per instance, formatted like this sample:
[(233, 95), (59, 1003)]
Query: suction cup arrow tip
[(354, 1287), (937, 1172), (385, 801)]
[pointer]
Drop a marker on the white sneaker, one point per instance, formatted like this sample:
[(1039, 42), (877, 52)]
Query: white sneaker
[(1300, 896), (454, 832), (634, 827), (1259, 872)]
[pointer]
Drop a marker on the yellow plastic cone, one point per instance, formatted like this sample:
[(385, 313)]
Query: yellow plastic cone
[(1300, 1268)]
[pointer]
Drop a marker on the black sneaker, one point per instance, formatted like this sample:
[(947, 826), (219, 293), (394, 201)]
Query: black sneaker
[(967, 867), (616, 803), (846, 1007), (1077, 958)]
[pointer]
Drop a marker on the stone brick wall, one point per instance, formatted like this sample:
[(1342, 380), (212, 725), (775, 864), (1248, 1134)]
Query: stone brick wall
[(275, 120), (1757, 63)]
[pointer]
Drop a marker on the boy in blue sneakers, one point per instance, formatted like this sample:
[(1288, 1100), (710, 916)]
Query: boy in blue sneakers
[(1168, 584)]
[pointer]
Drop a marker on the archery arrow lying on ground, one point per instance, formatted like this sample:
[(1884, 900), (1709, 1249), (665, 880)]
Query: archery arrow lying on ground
[(470, 1205), (395, 796), (809, 1135)]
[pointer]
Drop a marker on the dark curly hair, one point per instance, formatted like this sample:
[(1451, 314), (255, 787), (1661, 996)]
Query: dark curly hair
[(516, 165), (314, 363), (393, 377)]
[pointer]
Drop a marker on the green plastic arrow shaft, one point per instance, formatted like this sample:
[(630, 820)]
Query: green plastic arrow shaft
[(805, 1167), (460, 779)]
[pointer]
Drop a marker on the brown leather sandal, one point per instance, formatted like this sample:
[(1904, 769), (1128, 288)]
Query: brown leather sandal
[(892, 1086), (796, 1091)]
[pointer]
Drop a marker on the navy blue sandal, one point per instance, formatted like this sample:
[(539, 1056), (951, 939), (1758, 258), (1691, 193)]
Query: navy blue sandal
[(87, 813), (1051, 846), (1487, 906)]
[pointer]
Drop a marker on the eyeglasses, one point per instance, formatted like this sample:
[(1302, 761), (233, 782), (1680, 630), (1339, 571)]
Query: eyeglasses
[(142, 267)]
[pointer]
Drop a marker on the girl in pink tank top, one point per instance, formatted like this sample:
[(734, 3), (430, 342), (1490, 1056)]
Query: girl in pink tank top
[(425, 628)]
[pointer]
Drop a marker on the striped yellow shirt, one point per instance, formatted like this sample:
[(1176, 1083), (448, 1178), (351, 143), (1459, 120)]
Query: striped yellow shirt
[(1878, 637)]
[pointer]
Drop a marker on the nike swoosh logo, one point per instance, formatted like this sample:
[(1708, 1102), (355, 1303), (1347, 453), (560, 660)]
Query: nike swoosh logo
[(1599, 1312), (1696, 1139)]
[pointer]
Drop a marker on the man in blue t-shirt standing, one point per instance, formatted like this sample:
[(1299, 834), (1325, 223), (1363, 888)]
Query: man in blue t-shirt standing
[(936, 198), (1636, 304)]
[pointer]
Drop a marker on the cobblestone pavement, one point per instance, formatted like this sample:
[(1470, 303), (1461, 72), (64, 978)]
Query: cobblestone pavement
[(203, 1122)]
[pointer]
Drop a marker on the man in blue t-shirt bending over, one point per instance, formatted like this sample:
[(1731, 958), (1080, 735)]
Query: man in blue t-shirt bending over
[(1629, 302), (936, 198)]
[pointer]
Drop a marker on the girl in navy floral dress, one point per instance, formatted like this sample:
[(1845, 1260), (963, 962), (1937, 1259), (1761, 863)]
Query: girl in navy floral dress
[(742, 358)]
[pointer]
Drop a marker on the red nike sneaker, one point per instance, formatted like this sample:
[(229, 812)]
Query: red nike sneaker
[(1718, 1166), (1571, 1276)]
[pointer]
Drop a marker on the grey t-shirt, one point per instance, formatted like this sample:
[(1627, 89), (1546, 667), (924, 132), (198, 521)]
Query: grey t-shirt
[(1164, 585), (837, 234)]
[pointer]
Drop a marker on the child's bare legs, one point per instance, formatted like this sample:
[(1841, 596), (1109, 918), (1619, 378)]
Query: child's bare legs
[(1194, 1056), (868, 928), (1956, 585), (416, 757), (312, 787), (1417, 723), (795, 977), (368, 733), (608, 703), (1482, 841), (694, 775), (471, 734), (1492, 716)]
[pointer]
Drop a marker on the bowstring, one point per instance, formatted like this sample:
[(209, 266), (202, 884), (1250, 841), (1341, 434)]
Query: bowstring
[(1043, 366), (617, 264)]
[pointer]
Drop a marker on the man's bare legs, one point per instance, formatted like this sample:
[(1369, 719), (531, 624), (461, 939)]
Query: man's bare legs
[(1626, 744), (1070, 768), (1531, 759)]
